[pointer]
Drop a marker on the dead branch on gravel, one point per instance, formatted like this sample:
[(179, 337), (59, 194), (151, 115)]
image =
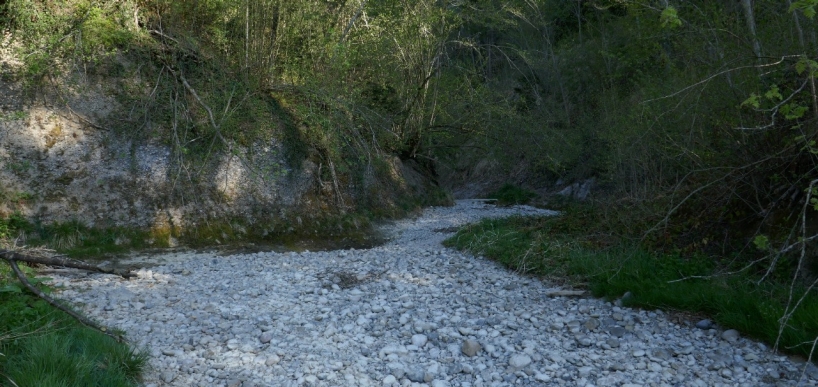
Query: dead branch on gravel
[(42, 258), (13, 257)]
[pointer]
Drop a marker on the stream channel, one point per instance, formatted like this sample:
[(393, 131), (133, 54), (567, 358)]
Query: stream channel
[(407, 312)]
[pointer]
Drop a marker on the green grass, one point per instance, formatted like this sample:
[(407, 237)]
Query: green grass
[(74, 238), (14, 115), (43, 346), (553, 247), (509, 195)]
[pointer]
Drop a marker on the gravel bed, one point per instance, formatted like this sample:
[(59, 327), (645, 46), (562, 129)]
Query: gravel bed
[(408, 313)]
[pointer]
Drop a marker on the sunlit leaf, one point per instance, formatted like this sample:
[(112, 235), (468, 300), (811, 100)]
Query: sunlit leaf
[(670, 18), (793, 111), (39, 280), (761, 242), (805, 64), (773, 93), (800, 66), (11, 288), (752, 101), (806, 6)]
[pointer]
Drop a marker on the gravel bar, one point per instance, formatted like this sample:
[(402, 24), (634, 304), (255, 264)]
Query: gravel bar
[(407, 313)]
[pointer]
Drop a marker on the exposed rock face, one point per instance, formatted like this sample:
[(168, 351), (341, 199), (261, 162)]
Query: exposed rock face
[(59, 162), (68, 170)]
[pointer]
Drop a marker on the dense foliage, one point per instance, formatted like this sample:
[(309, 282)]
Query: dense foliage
[(698, 117)]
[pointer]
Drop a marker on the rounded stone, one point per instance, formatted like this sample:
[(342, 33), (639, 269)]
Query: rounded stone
[(470, 348), (730, 335), (519, 361), (272, 360), (419, 340), (592, 324), (704, 324), (168, 376), (618, 331), (389, 381), (416, 375)]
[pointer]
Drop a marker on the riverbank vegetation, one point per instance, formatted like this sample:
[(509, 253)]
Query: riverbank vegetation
[(572, 250), (698, 120), (42, 346), (697, 117)]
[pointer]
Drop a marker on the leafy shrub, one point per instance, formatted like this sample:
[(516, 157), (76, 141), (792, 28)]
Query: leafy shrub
[(510, 194)]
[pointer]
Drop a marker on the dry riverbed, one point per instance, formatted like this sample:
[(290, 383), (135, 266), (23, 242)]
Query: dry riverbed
[(409, 312)]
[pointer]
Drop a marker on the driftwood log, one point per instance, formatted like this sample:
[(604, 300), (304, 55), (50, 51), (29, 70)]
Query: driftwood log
[(13, 257), (62, 261)]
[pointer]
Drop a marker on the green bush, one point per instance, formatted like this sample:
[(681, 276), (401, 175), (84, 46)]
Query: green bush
[(510, 194)]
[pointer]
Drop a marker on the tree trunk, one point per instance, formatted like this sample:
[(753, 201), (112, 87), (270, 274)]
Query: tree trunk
[(247, 34), (136, 18), (749, 17)]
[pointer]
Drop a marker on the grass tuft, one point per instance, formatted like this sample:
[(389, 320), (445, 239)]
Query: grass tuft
[(73, 238), (44, 347)]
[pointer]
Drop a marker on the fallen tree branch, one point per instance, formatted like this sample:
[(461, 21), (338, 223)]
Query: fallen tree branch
[(195, 95), (63, 261), (39, 293), (176, 42), (9, 379)]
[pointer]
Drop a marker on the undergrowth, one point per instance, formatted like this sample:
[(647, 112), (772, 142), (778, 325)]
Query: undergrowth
[(43, 347), (510, 194), (563, 249), (73, 238)]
